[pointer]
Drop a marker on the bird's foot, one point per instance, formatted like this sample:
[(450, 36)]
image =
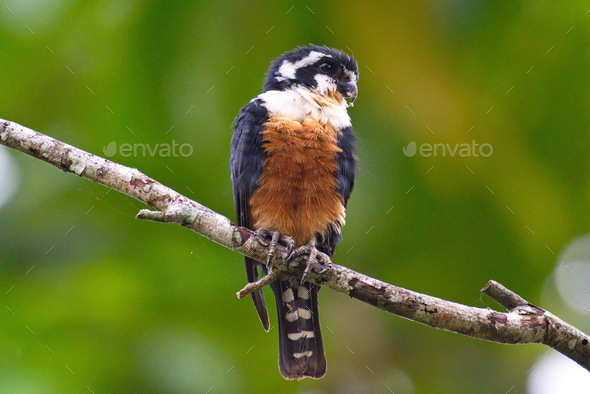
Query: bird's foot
[(317, 261), (271, 239), (268, 239)]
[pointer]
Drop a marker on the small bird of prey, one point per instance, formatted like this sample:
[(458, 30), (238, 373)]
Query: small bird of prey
[(293, 166)]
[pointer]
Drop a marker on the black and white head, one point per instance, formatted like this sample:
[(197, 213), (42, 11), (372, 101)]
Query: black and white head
[(320, 69)]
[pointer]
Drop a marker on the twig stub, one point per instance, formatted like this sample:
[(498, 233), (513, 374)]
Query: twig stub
[(503, 296)]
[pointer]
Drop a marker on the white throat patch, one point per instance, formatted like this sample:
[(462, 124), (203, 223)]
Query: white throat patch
[(298, 103), (325, 83)]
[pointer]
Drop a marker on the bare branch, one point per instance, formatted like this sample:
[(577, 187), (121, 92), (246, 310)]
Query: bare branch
[(523, 323)]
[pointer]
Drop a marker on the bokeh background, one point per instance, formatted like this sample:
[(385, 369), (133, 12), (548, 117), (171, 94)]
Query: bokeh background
[(94, 300)]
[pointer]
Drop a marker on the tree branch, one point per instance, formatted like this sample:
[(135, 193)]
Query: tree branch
[(523, 323)]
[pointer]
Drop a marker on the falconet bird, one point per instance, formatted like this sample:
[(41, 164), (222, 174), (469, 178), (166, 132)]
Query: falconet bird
[(292, 168)]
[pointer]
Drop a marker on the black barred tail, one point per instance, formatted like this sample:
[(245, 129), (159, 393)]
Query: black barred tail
[(301, 350)]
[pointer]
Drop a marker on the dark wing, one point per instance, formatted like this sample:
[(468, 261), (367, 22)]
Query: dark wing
[(247, 163), (346, 172)]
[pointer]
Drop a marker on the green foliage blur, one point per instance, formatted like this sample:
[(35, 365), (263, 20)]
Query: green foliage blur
[(93, 299)]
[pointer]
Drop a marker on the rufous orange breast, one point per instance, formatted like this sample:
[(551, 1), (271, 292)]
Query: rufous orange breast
[(298, 192)]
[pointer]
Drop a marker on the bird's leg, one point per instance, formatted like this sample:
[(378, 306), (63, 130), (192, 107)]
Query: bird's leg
[(271, 239), (317, 261), (268, 239)]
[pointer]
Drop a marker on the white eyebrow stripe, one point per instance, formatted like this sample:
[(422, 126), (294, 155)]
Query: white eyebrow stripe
[(288, 69)]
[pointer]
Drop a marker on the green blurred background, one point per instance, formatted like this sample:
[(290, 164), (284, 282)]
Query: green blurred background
[(93, 299)]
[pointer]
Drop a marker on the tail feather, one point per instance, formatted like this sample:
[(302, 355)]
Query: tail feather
[(301, 350), (257, 296)]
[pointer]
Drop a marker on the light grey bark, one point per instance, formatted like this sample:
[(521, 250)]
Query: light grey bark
[(523, 323)]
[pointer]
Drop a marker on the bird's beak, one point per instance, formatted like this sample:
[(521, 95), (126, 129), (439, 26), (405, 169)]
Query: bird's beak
[(348, 90)]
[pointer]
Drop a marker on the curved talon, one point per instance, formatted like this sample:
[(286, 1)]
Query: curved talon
[(289, 244), (272, 247), (295, 254), (263, 237), (313, 253), (317, 261), (323, 271), (271, 239), (325, 266)]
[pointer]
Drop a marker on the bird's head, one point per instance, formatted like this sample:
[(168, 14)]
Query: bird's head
[(320, 69)]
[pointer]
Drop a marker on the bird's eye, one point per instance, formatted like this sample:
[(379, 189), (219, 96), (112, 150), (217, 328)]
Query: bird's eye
[(327, 68)]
